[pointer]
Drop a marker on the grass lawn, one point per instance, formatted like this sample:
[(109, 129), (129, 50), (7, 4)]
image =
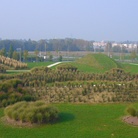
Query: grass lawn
[(79, 121), (130, 68), (30, 66)]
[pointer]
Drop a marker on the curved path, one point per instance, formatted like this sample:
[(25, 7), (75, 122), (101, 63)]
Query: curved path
[(49, 66)]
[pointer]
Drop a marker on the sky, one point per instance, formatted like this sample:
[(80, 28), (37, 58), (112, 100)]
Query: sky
[(112, 20)]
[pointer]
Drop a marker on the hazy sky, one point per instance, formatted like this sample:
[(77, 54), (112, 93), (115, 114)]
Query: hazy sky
[(86, 19)]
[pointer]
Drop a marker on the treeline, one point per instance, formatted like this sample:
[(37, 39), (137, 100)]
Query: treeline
[(67, 44)]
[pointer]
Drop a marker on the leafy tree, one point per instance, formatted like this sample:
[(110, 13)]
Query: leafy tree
[(15, 55), (3, 52), (50, 57), (116, 49), (60, 58)]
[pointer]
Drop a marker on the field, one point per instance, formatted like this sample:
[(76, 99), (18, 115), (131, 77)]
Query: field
[(38, 64), (79, 121), (132, 68)]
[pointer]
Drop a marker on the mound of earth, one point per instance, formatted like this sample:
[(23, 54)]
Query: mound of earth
[(133, 120)]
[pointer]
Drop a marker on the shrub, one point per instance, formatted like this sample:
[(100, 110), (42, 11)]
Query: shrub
[(32, 112), (132, 111)]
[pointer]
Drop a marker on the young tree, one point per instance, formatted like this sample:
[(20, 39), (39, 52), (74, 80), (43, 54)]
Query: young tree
[(3, 52), (36, 54), (50, 57), (133, 55), (60, 58), (10, 53), (25, 54), (15, 55)]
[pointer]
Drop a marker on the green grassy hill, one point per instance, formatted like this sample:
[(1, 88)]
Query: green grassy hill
[(96, 63)]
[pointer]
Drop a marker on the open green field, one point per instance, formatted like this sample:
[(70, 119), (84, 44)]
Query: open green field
[(79, 121), (132, 68), (30, 66), (123, 56)]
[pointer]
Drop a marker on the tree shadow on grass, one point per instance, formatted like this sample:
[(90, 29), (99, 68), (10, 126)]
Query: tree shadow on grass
[(65, 117)]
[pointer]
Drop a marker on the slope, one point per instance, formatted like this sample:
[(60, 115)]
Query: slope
[(96, 63)]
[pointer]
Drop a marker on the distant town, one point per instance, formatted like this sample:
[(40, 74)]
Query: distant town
[(128, 45)]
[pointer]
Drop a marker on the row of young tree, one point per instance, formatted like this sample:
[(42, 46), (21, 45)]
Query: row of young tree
[(88, 92), (67, 84), (11, 63), (16, 54), (40, 77), (24, 56)]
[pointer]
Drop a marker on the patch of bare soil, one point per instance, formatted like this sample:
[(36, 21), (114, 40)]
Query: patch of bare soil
[(132, 120)]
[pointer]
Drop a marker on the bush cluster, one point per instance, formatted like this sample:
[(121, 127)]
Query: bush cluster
[(32, 112), (66, 67), (12, 62), (132, 111), (2, 69), (41, 76), (12, 91), (88, 92)]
